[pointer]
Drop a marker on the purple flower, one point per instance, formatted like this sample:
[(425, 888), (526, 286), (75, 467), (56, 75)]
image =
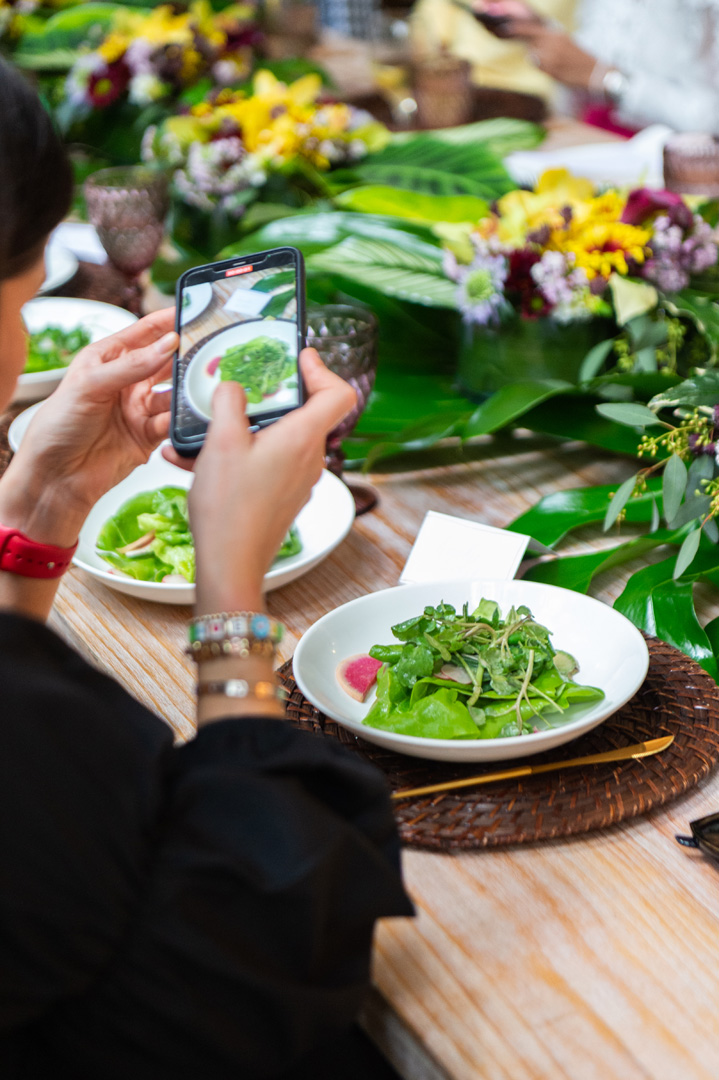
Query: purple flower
[(675, 252), (480, 286)]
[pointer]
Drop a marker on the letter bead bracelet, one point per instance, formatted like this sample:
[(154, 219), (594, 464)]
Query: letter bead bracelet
[(236, 633)]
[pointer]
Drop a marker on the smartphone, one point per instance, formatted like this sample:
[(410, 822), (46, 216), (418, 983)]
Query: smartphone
[(241, 319)]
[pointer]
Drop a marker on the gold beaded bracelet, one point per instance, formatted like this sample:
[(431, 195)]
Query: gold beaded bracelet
[(235, 646)]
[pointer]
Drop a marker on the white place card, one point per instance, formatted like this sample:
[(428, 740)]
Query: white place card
[(449, 548), (247, 302)]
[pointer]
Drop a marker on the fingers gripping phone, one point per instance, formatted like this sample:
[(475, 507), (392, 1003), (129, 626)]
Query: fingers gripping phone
[(243, 320)]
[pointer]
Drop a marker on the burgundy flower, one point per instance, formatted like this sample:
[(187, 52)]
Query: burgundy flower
[(106, 86), (520, 287), (644, 203)]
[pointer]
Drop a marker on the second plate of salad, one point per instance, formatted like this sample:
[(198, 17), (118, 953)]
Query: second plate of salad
[(58, 327), (136, 538)]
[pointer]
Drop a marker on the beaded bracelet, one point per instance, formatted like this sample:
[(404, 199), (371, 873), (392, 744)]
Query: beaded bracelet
[(235, 624), (234, 646), (241, 688)]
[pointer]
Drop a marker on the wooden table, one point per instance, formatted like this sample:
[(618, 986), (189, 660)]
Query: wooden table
[(595, 958), (587, 959)]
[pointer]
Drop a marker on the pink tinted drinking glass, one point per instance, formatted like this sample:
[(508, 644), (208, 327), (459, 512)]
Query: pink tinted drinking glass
[(346, 339), (128, 205)]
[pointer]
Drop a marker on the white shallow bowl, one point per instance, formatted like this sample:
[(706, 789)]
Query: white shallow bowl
[(611, 653), (322, 524), (199, 386), (60, 266), (100, 320), (200, 298)]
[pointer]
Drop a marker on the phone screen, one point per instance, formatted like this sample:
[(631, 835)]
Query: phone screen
[(241, 321)]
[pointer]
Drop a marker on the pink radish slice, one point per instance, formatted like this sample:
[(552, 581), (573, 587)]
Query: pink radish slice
[(213, 366), (357, 675)]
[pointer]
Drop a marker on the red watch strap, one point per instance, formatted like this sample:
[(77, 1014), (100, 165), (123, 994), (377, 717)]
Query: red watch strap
[(21, 555)]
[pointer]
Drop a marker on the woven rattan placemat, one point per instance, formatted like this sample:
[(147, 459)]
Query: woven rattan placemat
[(677, 698)]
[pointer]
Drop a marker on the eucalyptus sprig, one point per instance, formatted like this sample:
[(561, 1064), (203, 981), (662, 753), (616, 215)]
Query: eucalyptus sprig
[(685, 453)]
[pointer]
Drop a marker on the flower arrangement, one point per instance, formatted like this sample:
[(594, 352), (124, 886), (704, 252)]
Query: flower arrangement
[(562, 250), (225, 149), (152, 56)]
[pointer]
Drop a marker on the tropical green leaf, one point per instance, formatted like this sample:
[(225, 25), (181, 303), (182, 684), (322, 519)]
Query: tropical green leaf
[(592, 363), (509, 403), (659, 605), (65, 32), (619, 500), (312, 232), (398, 271), (574, 417), (703, 312), (632, 414), (413, 204), (429, 162), (687, 553), (701, 389), (674, 484), (549, 520), (433, 181), (577, 571), (502, 135)]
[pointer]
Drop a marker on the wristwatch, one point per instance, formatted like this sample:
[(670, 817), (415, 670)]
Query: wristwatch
[(29, 558)]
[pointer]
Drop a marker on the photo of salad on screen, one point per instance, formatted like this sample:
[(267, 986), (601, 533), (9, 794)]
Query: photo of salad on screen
[(248, 335)]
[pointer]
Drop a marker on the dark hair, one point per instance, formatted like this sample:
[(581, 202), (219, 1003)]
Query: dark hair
[(36, 179)]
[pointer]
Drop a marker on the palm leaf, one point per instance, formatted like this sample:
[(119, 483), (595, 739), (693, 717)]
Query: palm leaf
[(501, 135), (408, 274), (54, 45)]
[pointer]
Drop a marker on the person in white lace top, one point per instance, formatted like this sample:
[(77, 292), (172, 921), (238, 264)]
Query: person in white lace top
[(652, 61)]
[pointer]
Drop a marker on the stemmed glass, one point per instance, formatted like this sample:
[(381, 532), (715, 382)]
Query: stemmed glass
[(346, 339), (127, 205)]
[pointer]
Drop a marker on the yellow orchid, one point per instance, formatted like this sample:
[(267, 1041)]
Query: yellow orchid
[(520, 212), (113, 47)]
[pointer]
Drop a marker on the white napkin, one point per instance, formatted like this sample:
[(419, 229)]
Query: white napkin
[(628, 163), (449, 548)]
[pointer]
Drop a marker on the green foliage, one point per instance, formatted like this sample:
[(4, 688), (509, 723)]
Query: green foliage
[(549, 520), (408, 274), (413, 205), (54, 44)]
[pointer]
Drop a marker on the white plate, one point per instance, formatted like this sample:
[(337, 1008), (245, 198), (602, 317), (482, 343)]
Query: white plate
[(200, 298), (60, 266), (98, 319), (322, 524), (199, 386), (611, 653)]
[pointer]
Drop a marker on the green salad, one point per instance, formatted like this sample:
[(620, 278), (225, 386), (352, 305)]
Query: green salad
[(260, 365), (53, 348), (473, 675), (149, 537)]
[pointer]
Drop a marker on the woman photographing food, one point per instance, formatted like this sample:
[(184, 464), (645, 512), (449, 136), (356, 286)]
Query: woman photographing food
[(203, 910)]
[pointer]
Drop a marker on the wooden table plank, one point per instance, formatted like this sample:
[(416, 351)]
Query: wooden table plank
[(589, 958)]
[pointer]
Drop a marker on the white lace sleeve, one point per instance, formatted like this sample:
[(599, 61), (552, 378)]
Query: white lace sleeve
[(669, 52)]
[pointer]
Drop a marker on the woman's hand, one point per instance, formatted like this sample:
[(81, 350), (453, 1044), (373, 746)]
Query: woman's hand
[(104, 419), (249, 488), (558, 56)]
